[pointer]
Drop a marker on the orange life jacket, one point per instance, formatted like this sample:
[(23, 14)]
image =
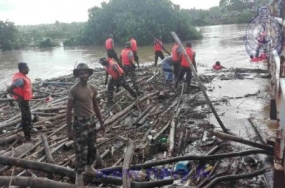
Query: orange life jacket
[(157, 46), (217, 67), (190, 53), (174, 54), (134, 44), (125, 57), (26, 90), (110, 69), (109, 44)]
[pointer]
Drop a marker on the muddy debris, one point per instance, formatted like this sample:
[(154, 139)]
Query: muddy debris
[(145, 140)]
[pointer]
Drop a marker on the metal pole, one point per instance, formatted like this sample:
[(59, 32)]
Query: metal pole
[(202, 87)]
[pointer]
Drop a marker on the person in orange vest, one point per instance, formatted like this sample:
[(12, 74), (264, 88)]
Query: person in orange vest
[(127, 59), (185, 67), (134, 49), (157, 47), (176, 59), (21, 89), (117, 78), (218, 66), (110, 48)]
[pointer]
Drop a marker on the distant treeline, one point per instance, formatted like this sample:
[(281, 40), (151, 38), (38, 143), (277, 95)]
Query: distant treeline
[(125, 18)]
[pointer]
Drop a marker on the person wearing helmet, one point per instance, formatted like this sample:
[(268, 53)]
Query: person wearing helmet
[(117, 78), (134, 49), (110, 48), (157, 47), (127, 59), (82, 99)]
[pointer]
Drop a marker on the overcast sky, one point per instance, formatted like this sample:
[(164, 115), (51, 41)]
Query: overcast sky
[(23, 12)]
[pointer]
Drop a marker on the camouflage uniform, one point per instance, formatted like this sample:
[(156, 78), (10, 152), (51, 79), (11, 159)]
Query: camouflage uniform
[(136, 57), (120, 82), (85, 138), (130, 71), (26, 118)]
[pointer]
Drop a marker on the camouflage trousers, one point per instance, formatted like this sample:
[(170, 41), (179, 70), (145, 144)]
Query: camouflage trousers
[(26, 118), (85, 138), (136, 57), (130, 71), (119, 82)]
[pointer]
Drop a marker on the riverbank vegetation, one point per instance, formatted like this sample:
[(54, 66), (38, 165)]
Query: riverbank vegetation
[(124, 18)]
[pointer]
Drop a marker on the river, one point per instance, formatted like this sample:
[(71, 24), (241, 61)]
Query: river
[(222, 42)]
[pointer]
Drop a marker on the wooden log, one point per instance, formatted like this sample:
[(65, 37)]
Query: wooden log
[(256, 131), (9, 123), (11, 138), (48, 156), (50, 119), (141, 122), (51, 108), (237, 177), (143, 114), (202, 87), (171, 138), (179, 143), (68, 144), (29, 149), (33, 182), (188, 157), (118, 115), (56, 169), (161, 131), (243, 141), (127, 162), (20, 149)]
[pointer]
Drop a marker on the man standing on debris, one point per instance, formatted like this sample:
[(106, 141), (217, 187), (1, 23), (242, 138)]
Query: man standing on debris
[(157, 47), (134, 50), (21, 89), (176, 58), (110, 48), (185, 67), (82, 99), (127, 59), (117, 78)]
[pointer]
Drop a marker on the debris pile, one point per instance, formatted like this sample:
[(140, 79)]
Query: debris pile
[(162, 138)]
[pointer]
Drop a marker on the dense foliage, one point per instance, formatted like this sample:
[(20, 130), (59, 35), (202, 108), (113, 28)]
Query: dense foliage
[(228, 12), (124, 18), (8, 35)]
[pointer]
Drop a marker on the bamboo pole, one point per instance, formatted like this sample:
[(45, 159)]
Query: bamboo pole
[(202, 87), (236, 177), (49, 157), (187, 157), (243, 141)]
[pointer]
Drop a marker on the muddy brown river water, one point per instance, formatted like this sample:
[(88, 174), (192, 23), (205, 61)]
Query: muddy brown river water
[(223, 43)]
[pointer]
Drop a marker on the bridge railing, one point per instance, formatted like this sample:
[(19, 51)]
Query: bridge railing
[(277, 112)]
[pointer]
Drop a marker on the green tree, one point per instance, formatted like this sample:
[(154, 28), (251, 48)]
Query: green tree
[(8, 35), (124, 18)]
